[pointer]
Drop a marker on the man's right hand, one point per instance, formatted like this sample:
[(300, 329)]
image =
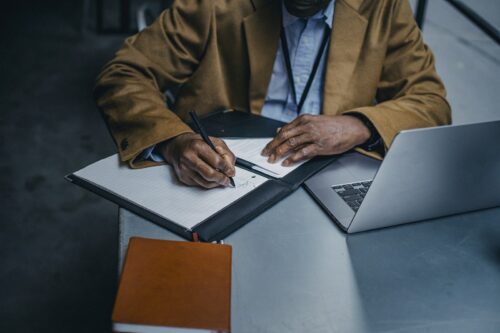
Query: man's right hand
[(195, 163)]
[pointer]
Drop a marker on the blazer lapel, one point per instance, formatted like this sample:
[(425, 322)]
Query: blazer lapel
[(262, 30), (348, 33)]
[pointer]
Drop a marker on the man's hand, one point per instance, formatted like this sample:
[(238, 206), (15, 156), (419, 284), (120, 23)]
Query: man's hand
[(309, 136), (196, 164)]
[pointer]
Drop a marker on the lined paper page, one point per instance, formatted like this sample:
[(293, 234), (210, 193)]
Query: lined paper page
[(250, 149), (157, 190)]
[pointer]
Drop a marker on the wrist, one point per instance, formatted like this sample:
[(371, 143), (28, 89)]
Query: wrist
[(163, 148), (361, 131), (372, 141), (365, 133), (166, 148)]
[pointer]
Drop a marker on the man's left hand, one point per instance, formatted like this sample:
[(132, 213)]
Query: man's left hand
[(308, 136)]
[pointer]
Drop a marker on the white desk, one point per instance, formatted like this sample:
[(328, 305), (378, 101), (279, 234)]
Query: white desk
[(295, 271)]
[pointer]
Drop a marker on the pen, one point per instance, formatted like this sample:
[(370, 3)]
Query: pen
[(250, 165), (205, 137)]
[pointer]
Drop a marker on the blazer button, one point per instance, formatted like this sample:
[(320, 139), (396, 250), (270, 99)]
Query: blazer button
[(124, 144)]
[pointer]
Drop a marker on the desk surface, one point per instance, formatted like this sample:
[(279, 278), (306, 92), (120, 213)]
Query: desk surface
[(295, 271)]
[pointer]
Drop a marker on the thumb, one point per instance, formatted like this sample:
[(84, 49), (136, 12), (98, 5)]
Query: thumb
[(229, 159)]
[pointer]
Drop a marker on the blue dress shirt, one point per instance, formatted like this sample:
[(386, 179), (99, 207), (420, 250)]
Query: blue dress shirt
[(304, 36)]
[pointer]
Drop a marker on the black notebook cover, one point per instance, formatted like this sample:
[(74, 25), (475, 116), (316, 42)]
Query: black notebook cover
[(233, 123)]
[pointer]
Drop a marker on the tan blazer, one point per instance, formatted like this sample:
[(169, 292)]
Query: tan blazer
[(220, 54)]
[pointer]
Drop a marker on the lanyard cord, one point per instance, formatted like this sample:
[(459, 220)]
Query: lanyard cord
[(286, 54)]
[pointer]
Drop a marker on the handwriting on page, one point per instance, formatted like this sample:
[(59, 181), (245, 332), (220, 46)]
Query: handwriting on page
[(246, 183)]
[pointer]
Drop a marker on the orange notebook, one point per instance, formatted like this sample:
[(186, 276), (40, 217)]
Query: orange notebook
[(174, 286)]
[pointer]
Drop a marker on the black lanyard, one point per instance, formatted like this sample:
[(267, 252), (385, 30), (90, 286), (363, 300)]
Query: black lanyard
[(286, 54)]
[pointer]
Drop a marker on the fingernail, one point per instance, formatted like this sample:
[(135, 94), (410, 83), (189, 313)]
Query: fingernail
[(264, 152), (285, 163), (271, 158)]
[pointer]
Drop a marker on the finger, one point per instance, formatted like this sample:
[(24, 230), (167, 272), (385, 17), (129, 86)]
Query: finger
[(284, 135), (292, 143), (185, 175), (223, 149), (228, 157), (206, 171), (200, 181), (213, 158), (306, 152), (191, 178), (182, 175), (229, 171), (281, 134)]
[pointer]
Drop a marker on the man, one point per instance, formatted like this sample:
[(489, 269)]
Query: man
[(344, 73)]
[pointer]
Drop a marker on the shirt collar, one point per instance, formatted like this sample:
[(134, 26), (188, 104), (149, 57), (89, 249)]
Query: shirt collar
[(325, 14)]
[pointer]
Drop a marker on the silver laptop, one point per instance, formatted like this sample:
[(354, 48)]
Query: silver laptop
[(427, 173)]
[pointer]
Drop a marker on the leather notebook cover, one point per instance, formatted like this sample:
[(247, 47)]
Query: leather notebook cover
[(174, 284), (233, 123), (242, 211)]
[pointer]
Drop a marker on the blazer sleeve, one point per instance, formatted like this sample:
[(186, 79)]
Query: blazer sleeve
[(410, 94), (130, 89)]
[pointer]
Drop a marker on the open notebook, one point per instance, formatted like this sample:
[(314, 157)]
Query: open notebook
[(157, 195), (157, 190)]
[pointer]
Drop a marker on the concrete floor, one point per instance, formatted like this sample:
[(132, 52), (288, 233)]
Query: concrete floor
[(58, 243)]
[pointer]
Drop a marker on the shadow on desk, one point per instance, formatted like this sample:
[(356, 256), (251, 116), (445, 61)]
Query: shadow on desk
[(435, 276)]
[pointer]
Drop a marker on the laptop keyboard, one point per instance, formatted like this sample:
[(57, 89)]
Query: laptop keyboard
[(353, 194)]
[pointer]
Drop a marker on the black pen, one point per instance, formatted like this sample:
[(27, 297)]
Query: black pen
[(253, 166), (205, 137)]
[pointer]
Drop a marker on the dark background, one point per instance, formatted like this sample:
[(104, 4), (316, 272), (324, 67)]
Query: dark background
[(58, 243)]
